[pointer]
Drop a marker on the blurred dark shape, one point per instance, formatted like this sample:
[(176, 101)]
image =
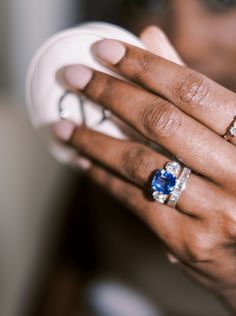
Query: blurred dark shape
[(103, 10)]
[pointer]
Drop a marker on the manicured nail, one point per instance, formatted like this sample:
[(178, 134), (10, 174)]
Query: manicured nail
[(110, 51), (172, 258), (63, 130), (82, 163), (77, 76)]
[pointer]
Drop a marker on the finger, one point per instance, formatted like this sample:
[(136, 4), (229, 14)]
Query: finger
[(195, 94), (159, 121), (167, 223), (136, 163), (157, 43)]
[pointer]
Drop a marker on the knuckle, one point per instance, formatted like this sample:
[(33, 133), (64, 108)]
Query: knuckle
[(228, 225), (192, 89), (135, 162), (230, 233), (223, 223), (159, 119), (146, 64), (199, 248)]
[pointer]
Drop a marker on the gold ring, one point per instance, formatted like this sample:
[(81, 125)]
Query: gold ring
[(231, 131)]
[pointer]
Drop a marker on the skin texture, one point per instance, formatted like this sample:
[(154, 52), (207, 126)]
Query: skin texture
[(187, 117), (201, 232)]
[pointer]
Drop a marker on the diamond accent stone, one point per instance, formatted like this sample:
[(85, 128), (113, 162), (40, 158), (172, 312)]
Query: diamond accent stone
[(159, 197), (179, 187), (163, 182), (233, 129), (173, 167)]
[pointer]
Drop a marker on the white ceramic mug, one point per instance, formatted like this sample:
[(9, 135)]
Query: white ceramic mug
[(47, 99)]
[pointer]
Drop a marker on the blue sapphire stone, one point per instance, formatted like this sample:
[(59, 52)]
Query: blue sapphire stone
[(163, 182)]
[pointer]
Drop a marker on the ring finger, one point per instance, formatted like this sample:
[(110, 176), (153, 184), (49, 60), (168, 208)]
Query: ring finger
[(136, 162)]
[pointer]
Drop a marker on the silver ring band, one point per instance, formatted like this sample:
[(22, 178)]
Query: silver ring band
[(179, 187)]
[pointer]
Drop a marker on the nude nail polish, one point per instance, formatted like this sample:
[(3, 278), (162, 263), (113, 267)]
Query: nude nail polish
[(77, 76), (110, 51), (63, 130)]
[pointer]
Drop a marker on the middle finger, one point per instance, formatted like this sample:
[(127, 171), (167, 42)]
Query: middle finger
[(160, 121)]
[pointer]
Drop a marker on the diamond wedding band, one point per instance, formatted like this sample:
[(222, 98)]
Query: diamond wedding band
[(179, 187)]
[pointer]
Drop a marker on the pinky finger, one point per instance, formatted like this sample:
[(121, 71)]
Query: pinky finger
[(166, 222)]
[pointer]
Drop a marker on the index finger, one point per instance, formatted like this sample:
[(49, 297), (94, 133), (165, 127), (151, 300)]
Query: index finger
[(195, 94)]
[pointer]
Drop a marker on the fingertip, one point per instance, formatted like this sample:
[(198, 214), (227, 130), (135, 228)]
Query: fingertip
[(82, 162), (63, 130), (109, 50), (152, 30), (172, 258)]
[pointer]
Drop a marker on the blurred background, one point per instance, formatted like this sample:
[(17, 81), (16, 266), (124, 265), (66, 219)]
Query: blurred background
[(31, 181), (49, 264)]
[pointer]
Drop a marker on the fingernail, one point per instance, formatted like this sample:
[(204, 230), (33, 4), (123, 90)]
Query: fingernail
[(110, 51), (82, 163), (77, 76), (172, 258), (63, 130)]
